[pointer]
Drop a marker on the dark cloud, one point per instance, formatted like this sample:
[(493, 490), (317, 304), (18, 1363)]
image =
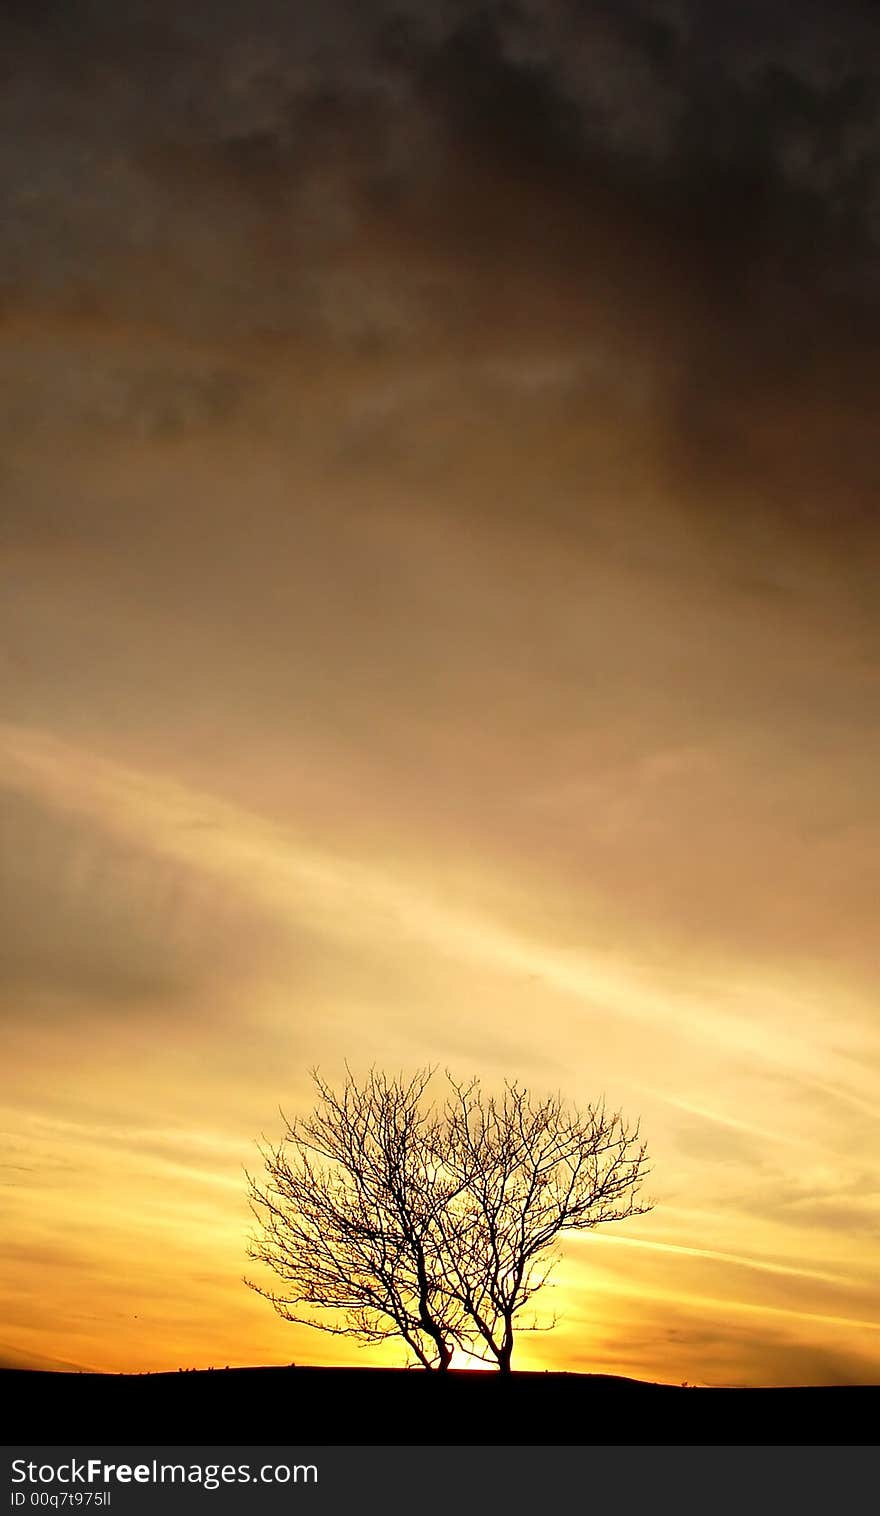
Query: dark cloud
[(732, 131), (692, 195), (112, 395)]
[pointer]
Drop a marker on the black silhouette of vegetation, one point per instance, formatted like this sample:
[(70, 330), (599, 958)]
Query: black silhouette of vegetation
[(528, 1171), (350, 1216), (386, 1216)]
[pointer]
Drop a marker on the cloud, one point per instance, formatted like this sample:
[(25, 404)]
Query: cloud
[(708, 1352), (439, 501), (346, 898), (683, 199), (107, 921), (17, 1358)]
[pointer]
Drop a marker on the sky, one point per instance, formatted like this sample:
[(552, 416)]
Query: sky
[(440, 545)]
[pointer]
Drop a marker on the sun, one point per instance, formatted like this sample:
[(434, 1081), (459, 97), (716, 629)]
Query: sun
[(462, 1360)]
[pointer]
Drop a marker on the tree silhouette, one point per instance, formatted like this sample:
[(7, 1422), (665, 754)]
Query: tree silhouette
[(385, 1217), (349, 1218), (523, 1172)]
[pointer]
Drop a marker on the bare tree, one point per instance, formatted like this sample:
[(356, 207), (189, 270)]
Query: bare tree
[(522, 1172), (348, 1217), (383, 1217)]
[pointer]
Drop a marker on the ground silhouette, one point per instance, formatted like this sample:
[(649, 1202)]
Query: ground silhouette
[(398, 1406)]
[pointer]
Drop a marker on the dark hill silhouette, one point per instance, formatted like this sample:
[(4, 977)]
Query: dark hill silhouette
[(338, 1406)]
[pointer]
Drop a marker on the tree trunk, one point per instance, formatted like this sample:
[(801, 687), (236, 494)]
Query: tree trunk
[(505, 1352)]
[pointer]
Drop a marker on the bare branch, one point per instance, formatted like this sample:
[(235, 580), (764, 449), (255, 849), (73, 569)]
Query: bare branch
[(383, 1217)]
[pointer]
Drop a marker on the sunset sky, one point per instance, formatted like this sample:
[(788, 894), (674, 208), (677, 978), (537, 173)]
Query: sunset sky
[(441, 625)]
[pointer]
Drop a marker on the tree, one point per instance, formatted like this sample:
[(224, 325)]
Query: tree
[(387, 1217), (349, 1215), (524, 1172)]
